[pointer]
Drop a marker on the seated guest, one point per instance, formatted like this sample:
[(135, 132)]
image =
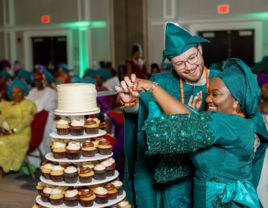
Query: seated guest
[(15, 120), (90, 73), (5, 65), (4, 77), (154, 69), (48, 79), (26, 77), (76, 79), (64, 76), (45, 98), (103, 70), (113, 81), (122, 69), (100, 83), (89, 81)]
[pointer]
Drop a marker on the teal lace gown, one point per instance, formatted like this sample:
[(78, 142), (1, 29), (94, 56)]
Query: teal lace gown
[(221, 148), (159, 181)]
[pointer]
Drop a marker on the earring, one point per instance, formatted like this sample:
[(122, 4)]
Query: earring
[(234, 107)]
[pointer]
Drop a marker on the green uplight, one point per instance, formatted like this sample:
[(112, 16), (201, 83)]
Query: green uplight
[(261, 15), (85, 24)]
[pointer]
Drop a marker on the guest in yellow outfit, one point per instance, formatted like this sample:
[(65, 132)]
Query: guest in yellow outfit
[(15, 126)]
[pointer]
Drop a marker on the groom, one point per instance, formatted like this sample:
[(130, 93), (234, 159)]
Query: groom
[(153, 181)]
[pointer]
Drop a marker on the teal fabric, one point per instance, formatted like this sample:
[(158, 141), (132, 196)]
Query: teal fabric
[(216, 65), (17, 83), (76, 79), (229, 144), (265, 59), (178, 40), (90, 72), (5, 74), (27, 75), (139, 181), (89, 81), (48, 76), (247, 93), (259, 65), (64, 67), (104, 73)]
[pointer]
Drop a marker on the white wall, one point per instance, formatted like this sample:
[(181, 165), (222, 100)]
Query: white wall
[(23, 17), (194, 12)]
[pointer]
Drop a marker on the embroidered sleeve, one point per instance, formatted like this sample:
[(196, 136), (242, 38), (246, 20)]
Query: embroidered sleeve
[(176, 134), (173, 167)]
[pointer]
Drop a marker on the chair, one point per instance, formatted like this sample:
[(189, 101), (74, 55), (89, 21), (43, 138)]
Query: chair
[(38, 129)]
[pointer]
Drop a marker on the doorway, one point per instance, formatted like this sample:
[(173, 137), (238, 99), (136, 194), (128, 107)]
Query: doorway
[(49, 50)]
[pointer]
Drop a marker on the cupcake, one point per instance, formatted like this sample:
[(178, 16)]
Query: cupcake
[(112, 191), (56, 197), (119, 186), (109, 167), (43, 164), (67, 119), (52, 143), (102, 196), (89, 164), (88, 149), (77, 127), (46, 170), (70, 174), (57, 173), (92, 126), (40, 187), (87, 198), (99, 172), (85, 174), (59, 149), (71, 198), (96, 143), (73, 151), (104, 147), (46, 194), (124, 204), (62, 127)]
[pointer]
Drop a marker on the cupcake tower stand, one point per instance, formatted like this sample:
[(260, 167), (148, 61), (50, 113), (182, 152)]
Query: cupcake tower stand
[(50, 157)]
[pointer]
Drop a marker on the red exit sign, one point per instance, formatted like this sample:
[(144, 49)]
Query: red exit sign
[(223, 9), (45, 19)]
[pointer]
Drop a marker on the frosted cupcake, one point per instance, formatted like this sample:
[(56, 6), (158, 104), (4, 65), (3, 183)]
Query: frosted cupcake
[(99, 172), (112, 191), (119, 186), (46, 194), (56, 197), (88, 149), (85, 174), (47, 170), (87, 198), (102, 196), (92, 126), (62, 127), (71, 174), (40, 187), (59, 150), (109, 167), (71, 198), (77, 127), (104, 147), (124, 204), (73, 151), (57, 173)]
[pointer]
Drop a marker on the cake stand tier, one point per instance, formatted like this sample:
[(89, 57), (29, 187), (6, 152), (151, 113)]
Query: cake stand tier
[(95, 205), (93, 182), (84, 136), (61, 113), (50, 156)]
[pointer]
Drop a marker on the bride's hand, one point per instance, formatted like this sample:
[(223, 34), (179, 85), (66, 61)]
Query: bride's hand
[(197, 102)]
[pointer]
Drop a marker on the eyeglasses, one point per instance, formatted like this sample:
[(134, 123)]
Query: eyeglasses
[(192, 60)]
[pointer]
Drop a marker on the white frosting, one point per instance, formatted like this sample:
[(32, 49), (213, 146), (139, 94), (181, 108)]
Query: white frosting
[(47, 190), (77, 122), (48, 166), (77, 97), (57, 167), (59, 145), (62, 122), (56, 191), (117, 183), (73, 146), (99, 167), (71, 193), (70, 169), (90, 166), (123, 203), (111, 160), (76, 142), (106, 163), (41, 184), (100, 190), (66, 119)]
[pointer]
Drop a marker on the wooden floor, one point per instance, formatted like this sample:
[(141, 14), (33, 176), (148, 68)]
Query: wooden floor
[(11, 196)]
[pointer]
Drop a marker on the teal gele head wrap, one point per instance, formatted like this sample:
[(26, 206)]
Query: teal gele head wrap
[(5, 74), (17, 83), (89, 81), (76, 79), (90, 72), (178, 40), (265, 59), (48, 76), (27, 75), (243, 85), (216, 65), (259, 65), (65, 68)]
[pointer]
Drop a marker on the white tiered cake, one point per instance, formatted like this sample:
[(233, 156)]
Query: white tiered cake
[(77, 97)]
